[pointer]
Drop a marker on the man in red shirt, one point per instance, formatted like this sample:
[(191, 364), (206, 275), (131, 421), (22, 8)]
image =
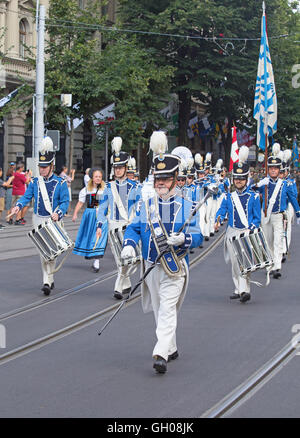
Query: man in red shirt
[(19, 187)]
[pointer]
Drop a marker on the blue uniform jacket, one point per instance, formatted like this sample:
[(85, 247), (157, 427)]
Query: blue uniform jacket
[(129, 194), (173, 212), (251, 204), (58, 195), (286, 194)]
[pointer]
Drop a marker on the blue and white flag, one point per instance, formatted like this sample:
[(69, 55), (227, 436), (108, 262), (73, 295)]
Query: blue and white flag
[(295, 154), (265, 102)]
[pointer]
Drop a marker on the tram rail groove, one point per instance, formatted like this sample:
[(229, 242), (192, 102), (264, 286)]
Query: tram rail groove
[(81, 287), (249, 387), (56, 335)]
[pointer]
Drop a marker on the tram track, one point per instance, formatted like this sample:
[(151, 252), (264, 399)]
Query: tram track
[(101, 314), (254, 383)]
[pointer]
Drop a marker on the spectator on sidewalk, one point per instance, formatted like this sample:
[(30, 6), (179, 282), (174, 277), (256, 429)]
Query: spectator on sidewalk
[(69, 178), (20, 180), (8, 190)]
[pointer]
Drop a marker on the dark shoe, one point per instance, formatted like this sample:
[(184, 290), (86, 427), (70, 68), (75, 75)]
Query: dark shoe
[(201, 246), (276, 274), (52, 285), (245, 297), (173, 356), (206, 238), (118, 295), (94, 269), (234, 296), (2, 227), (160, 364), (212, 234), (23, 221), (283, 260), (47, 289), (192, 251), (10, 222)]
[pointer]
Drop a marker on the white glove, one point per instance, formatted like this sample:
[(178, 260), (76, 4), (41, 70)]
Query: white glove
[(263, 182), (127, 252), (298, 220), (176, 239)]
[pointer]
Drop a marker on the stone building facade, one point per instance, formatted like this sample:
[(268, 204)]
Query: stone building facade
[(18, 31)]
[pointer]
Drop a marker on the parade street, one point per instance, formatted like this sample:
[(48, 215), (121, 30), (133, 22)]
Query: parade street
[(221, 343)]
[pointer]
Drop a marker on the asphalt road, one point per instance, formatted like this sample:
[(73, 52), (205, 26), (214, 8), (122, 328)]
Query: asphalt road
[(221, 343)]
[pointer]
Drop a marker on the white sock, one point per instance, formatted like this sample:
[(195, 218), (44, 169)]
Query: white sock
[(96, 263)]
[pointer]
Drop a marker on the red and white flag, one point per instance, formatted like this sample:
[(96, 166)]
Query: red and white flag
[(234, 156)]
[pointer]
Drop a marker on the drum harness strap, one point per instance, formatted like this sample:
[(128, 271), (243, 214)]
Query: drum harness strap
[(48, 207)]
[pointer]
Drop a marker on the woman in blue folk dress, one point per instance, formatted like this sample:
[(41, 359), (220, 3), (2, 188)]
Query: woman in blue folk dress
[(85, 244)]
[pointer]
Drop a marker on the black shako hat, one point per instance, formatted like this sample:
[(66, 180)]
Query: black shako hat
[(241, 168), (46, 152), (119, 158)]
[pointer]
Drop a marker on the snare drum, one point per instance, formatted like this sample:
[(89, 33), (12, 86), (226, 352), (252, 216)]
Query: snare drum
[(116, 238), (251, 251), (51, 239)]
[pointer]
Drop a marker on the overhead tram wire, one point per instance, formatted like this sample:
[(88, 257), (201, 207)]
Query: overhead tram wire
[(87, 26)]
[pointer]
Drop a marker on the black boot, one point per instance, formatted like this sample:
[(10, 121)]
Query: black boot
[(118, 295), (245, 297), (160, 364), (173, 356), (276, 274), (46, 289), (234, 296)]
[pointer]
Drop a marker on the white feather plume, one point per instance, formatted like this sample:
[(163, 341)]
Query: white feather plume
[(46, 145), (190, 163), (183, 164), (280, 155), (287, 155), (208, 157), (116, 145), (158, 142), (275, 149), (219, 164), (243, 154), (132, 162), (198, 159)]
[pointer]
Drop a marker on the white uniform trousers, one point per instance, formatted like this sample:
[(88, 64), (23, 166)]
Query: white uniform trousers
[(290, 220), (203, 224), (273, 230), (123, 280), (47, 267), (207, 221), (212, 216), (165, 292), (241, 283)]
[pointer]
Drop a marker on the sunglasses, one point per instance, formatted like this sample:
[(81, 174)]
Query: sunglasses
[(180, 179)]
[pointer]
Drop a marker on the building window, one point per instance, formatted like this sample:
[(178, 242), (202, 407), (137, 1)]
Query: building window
[(22, 38)]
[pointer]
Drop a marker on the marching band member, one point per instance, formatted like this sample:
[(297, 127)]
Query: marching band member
[(201, 182), (243, 209), (119, 197), (131, 168), (279, 192), (51, 200), (86, 244), (190, 185), (287, 155), (181, 177), (160, 216)]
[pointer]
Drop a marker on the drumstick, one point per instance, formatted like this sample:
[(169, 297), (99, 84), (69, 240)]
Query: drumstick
[(96, 243)]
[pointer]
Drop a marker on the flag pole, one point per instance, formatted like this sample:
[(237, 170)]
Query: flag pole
[(266, 121)]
